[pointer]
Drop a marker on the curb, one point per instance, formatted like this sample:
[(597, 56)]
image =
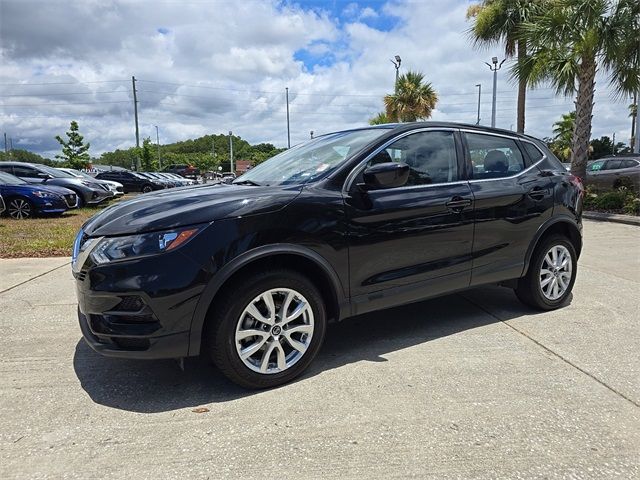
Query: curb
[(612, 217)]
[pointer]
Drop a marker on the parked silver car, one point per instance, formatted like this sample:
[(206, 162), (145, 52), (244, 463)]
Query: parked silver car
[(613, 172), (114, 187)]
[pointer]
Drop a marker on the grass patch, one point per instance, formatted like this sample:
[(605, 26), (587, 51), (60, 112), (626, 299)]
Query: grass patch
[(44, 236)]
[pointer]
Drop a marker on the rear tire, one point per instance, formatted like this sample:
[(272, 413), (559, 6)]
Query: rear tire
[(266, 328), (147, 188), (551, 275)]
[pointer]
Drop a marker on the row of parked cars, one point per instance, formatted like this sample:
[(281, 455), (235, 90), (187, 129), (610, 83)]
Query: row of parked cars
[(29, 189)]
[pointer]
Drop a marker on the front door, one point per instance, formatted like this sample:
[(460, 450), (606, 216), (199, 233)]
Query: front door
[(413, 241)]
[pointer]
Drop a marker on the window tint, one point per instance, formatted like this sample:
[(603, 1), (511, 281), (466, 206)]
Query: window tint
[(494, 157), (431, 157), (534, 153), (613, 165), (6, 168), (25, 172), (629, 163)]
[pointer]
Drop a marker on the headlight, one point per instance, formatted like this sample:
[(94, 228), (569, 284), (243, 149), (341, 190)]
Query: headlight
[(111, 249), (90, 184), (41, 194)]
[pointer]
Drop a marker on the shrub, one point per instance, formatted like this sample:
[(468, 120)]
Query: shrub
[(611, 200), (631, 205)]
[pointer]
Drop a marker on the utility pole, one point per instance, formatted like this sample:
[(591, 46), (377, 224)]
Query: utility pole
[(10, 145), (5, 143), (479, 85), (396, 64), (286, 92), (158, 144), (135, 113), (231, 152), (613, 144), (634, 124), (494, 68)]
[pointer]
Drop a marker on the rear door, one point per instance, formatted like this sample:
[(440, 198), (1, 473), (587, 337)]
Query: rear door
[(512, 198)]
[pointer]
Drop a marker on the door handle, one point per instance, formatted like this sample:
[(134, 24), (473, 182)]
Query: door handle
[(457, 204), (538, 193)]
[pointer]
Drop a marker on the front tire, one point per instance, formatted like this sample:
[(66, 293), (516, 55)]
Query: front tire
[(20, 208), (267, 329), (147, 189), (551, 275)]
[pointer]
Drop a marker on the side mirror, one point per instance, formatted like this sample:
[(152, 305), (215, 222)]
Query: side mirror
[(385, 175), (44, 176)]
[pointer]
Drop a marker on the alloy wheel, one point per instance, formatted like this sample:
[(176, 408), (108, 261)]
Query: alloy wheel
[(556, 272), (19, 209), (274, 331)]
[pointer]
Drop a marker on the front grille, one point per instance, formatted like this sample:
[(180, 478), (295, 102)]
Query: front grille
[(119, 189), (81, 275), (71, 200)]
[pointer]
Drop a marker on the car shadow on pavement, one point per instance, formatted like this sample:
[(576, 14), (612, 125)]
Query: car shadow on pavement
[(158, 386)]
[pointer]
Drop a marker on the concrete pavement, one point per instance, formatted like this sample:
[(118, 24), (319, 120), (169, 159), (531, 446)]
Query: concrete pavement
[(472, 385)]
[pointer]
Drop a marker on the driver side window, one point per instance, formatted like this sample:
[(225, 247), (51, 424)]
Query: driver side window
[(431, 157)]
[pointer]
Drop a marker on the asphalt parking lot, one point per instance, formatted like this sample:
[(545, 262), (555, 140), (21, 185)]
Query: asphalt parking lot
[(472, 385)]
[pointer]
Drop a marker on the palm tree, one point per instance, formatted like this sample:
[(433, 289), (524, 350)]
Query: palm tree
[(562, 135), (379, 119), (500, 22), (412, 99), (569, 42)]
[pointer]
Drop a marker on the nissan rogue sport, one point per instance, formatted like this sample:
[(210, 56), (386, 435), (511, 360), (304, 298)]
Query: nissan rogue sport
[(350, 222)]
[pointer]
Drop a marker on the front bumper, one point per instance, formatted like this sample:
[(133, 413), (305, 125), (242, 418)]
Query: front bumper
[(98, 196), (141, 308), (125, 345)]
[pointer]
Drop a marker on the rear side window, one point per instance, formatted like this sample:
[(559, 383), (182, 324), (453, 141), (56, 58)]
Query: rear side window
[(534, 152), (613, 165), (493, 156), (629, 163), (595, 166), (25, 172)]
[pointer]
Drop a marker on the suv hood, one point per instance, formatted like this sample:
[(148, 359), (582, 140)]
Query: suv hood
[(174, 208)]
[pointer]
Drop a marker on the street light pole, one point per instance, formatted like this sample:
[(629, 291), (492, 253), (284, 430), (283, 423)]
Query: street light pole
[(479, 85), (396, 63), (158, 144), (494, 68), (231, 151), (288, 127)]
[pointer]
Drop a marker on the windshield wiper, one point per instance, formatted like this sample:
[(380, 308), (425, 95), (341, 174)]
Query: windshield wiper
[(246, 182)]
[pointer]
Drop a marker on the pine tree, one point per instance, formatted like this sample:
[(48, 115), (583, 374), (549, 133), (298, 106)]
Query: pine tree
[(74, 151)]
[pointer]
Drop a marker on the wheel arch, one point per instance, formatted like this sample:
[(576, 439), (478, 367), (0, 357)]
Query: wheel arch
[(561, 225), (21, 196), (294, 257)]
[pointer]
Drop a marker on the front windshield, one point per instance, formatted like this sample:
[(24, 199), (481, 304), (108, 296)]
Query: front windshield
[(311, 160), (8, 179)]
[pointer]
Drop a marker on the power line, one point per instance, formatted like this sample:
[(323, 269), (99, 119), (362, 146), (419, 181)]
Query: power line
[(2, 105), (57, 94), (63, 83)]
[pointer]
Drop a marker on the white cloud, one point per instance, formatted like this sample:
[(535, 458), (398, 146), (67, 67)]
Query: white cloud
[(220, 66)]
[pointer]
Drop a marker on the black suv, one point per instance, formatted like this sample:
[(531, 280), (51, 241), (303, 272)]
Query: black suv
[(131, 181), (354, 221)]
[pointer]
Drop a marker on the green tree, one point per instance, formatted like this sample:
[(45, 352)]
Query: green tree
[(569, 42), (562, 135), (379, 119), (74, 150), (19, 155), (412, 99), (603, 146), (500, 22), (146, 156)]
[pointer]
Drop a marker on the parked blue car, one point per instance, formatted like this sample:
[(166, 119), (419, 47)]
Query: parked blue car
[(24, 200)]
